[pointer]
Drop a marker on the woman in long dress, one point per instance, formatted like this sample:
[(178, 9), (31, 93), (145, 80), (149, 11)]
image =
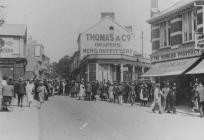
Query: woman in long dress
[(110, 91), (41, 90), (81, 91), (29, 91)]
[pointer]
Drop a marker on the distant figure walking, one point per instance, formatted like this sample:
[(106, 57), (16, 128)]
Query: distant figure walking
[(20, 90), (157, 99), (81, 91), (41, 90), (29, 90), (200, 91)]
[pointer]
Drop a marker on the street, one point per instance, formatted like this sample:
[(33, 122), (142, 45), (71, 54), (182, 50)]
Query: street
[(63, 118)]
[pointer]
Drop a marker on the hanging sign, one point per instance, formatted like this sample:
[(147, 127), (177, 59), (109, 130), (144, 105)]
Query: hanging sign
[(199, 3), (199, 41)]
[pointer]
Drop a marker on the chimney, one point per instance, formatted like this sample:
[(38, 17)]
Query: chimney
[(128, 28), (154, 7), (108, 14)]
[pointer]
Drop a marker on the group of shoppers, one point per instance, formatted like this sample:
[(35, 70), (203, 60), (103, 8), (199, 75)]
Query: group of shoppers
[(35, 89)]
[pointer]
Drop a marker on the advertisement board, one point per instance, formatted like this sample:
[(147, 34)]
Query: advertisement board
[(107, 38), (9, 47)]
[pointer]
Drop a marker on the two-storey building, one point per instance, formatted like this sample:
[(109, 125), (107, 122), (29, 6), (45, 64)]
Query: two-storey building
[(108, 51), (13, 38), (174, 55)]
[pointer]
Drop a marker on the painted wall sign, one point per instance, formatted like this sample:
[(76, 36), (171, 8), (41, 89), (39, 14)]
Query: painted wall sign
[(9, 47), (101, 40)]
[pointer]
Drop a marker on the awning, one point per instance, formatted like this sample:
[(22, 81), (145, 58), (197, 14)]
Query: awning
[(176, 67), (198, 69)]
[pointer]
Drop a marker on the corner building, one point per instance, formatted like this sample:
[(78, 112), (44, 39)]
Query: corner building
[(107, 51), (13, 38), (174, 56)]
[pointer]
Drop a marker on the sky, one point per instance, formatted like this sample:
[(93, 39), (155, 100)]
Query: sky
[(57, 23)]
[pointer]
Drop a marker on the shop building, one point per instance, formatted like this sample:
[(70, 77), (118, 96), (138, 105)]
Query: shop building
[(108, 51), (12, 50), (174, 55)]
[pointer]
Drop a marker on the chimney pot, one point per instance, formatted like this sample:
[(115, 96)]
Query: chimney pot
[(108, 14)]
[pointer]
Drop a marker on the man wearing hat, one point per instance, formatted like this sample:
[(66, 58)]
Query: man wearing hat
[(171, 99), (165, 91), (20, 90)]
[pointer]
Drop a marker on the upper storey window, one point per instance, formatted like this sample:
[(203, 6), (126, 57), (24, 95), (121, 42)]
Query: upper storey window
[(188, 27), (164, 34)]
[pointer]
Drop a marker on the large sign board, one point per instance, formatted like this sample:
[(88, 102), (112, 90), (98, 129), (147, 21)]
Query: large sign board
[(176, 54), (199, 41), (9, 47), (109, 39)]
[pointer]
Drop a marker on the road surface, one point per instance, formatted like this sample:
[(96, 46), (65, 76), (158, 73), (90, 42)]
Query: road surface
[(65, 118)]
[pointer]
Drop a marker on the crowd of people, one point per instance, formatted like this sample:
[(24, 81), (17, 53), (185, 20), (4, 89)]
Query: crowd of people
[(160, 98), (143, 92), (38, 90)]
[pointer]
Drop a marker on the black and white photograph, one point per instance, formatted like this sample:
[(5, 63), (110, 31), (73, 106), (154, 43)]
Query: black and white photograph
[(101, 69)]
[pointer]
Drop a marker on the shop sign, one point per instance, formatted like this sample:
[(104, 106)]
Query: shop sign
[(102, 40), (108, 44), (199, 3), (176, 55), (199, 41)]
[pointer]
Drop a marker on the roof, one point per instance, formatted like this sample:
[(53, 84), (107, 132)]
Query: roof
[(13, 29), (112, 20), (199, 69), (171, 10)]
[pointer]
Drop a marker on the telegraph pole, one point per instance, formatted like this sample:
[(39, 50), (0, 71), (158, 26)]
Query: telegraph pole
[(142, 37)]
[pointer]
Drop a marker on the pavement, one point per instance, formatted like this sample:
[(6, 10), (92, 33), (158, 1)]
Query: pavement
[(20, 124), (65, 118)]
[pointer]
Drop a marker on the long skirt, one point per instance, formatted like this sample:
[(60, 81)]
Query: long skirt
[(41, 97)]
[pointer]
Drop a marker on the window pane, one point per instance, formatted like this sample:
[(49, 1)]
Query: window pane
[(190, 25)]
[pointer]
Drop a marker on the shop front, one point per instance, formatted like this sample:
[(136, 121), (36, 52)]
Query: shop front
[(12, 50), (120, 68), (180, 69)]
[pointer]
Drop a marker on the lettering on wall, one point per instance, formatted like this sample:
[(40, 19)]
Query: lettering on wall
[(176, 55), (108, 37)]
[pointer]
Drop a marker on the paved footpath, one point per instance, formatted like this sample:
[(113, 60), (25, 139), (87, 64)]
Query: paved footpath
[(20, 124)]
